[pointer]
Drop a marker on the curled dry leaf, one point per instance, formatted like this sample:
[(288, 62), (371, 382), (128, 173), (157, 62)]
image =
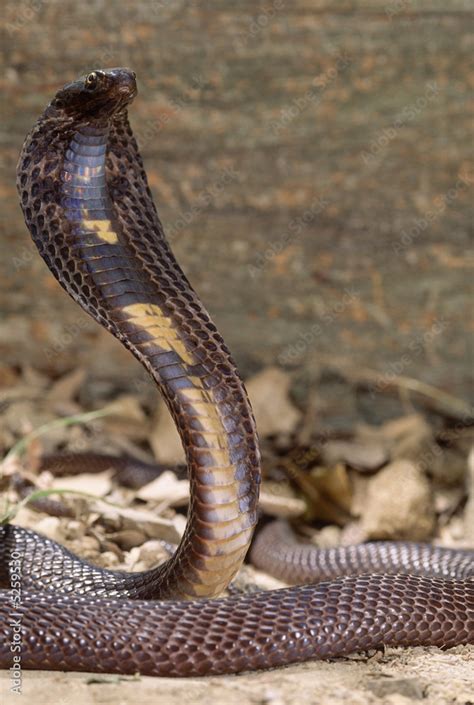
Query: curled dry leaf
[(269, 395), (127, 418), (331, 493), (152, 525), (26, 517), (97, 484), (125, 407), (166, 489), (279, 503), (75, 529)]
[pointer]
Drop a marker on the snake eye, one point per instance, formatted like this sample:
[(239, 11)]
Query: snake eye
[(91, 80)]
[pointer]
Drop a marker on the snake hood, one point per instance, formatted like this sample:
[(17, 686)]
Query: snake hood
[(97, 96)]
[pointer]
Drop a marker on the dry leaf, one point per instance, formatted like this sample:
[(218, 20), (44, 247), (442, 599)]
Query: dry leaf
[(154, 526), (407, 436), (67, 387), (164, 439), (98, 484), (362, 456), (328, 492), (278, 504), (166, 489), (127, 418), (274, 412)]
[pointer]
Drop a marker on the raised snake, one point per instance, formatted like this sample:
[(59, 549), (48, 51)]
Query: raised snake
[(88, 206)]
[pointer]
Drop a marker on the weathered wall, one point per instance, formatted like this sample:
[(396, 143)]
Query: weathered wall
[(310, 161)]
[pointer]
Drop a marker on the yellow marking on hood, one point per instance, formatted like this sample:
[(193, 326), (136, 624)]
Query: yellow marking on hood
[(150, 318), (102, 228)]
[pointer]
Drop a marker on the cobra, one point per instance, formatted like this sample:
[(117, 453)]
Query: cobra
[(89, 209)]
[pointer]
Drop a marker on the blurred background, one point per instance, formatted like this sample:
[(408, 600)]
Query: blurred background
[(310, 161)]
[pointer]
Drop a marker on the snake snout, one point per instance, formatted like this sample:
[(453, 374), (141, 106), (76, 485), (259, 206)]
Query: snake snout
[(125, 80)]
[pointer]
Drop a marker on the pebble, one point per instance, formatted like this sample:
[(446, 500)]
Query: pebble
[(399, 504)]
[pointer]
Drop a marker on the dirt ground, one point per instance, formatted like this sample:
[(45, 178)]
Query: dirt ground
[(398, 677)]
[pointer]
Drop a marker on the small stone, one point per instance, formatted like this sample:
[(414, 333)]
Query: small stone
[(153, 552), (328, 537), (75, 529), (399, 504), (108, 560), (128, 538), (50, 527)]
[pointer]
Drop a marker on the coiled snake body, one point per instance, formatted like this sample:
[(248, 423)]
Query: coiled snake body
[(89, 209)]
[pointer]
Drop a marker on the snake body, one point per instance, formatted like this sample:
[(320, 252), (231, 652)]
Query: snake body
[(89, 209)]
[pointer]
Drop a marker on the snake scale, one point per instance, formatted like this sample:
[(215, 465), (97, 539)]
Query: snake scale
[(88, 206)]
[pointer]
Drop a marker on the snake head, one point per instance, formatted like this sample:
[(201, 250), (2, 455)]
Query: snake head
[(97, 96)]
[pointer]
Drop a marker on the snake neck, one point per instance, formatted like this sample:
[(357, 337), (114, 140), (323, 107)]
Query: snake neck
[(89, 208)]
